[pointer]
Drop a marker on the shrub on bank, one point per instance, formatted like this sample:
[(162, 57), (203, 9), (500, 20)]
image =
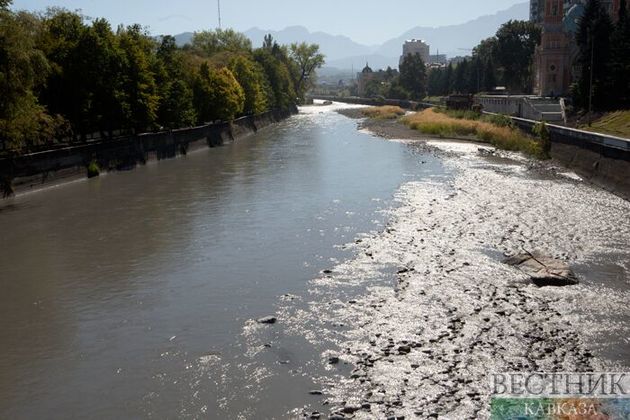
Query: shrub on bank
[(386, 112), (498, 133)]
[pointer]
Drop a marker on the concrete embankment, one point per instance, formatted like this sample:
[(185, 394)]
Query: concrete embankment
[(35, 170), (601, 159)]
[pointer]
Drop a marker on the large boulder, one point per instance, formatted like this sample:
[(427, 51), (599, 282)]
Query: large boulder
[(544, 270)]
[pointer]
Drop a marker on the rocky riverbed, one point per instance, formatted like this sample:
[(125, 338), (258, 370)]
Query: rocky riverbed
[(415, 323)]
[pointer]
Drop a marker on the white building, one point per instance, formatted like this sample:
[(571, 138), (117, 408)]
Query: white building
[(416, 46)]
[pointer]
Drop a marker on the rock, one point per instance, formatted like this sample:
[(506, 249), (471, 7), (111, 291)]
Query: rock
[(316, 392), (404, 349), (315, 415), (544, 270), (327, 271), (349, 409), (267, 320), (337, 416), (333, 360)]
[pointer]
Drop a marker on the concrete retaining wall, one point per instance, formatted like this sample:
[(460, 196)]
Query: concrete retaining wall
[(37, 169)]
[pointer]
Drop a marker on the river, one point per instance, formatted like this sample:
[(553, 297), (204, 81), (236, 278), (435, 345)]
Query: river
[(136, 294), (119, 292)]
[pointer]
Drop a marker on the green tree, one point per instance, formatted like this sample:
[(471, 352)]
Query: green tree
[(251, 77), (620, 59), (447, 80), (413, 76), (281, 93), (514, 52), (24, 122), (4, 4), (140, 100), (176, 96), (217, 95), (460, 84), (208, 43), (308, 59), (434, 82), (489, 81), (593, 40)]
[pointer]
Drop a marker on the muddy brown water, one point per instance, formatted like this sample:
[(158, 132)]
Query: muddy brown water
[(125, 296), (133, 295)]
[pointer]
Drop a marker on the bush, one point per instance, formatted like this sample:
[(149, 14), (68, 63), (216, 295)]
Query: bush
[(93, 169), (541, 131), (386, 112), (440, 124)]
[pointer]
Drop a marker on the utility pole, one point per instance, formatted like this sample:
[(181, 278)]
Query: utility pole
[(590, 89), (219, 9)]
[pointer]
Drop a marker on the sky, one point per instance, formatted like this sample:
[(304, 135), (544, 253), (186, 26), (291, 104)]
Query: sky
[(365, 21)]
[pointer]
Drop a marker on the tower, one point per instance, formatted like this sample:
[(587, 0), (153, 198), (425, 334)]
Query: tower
[(552, 55)]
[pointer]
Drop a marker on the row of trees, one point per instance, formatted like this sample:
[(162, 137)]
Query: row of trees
[(604, 53), (62, 76), (505, 59)]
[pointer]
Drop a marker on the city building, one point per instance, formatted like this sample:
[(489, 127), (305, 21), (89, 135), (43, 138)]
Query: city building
[(416, 46), (438, 59), (552, 60), (368, 75), (556, 56)]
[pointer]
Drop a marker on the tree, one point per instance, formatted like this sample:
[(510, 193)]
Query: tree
[(251, 77), (514, 52), (447, 80), (4, 4), (217, 95), (140, 99), (413, 76), (23, 69), (308, 60), (620, 59), (489, 81), (208, 43), (281, 93), (461, 77), (593, 40)]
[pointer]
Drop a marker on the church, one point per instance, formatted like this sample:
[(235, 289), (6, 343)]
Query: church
[(556, 55)]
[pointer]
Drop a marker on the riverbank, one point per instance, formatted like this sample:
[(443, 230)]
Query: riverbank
[(46, 168), (427, 309)]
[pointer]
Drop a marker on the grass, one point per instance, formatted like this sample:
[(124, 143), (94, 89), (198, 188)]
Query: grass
[(495, 130), (615, 123), (386, 112)]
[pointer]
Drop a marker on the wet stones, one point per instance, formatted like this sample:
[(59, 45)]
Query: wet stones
[(268, 320), (544, 270)]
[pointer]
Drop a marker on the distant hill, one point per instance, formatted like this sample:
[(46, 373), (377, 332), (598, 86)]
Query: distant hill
[(343, 53), (456, 39)]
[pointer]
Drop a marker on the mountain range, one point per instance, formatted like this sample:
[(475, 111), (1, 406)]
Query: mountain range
[(344, 53)]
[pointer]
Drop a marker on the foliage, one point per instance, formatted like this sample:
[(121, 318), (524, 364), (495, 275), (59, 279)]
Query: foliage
[(252, 79), (515, 47), (307, 59), (386, 112), (208, 43), (93, 170), (66, 78), (23, 71), (541, 131), (413, 76), (440, 124), (217, 95), (593, 40)]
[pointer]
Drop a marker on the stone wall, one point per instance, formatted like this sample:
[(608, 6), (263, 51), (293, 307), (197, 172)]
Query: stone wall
[(34, 170)]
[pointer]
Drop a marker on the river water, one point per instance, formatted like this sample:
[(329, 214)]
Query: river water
[(127, 295)]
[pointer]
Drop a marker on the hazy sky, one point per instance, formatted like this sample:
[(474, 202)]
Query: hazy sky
[(365, 21)]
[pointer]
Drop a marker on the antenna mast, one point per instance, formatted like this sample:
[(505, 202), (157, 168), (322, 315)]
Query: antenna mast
[(219, 8)]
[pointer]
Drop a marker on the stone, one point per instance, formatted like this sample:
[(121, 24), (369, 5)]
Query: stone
[(315, 392), (544, 270), (267, 320), (333, 360)]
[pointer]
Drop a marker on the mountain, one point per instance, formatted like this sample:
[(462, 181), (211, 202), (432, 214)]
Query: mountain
[(456, 39), (344, 53), (333, 46)]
